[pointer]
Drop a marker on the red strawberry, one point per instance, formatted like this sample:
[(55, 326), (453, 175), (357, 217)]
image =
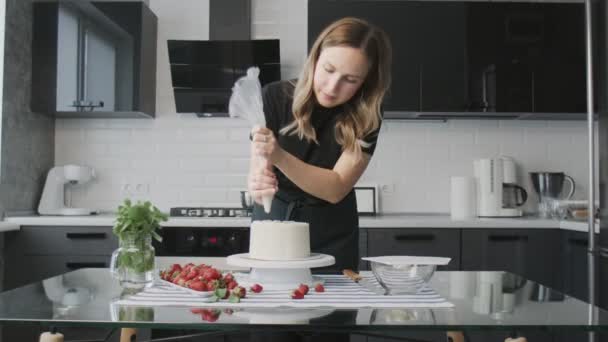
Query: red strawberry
[(239, 291), (180, 281), (256, 288), (295, 294), (197, 311), (198, 285), (228, 277), (210, 315), (232, 284), (319, 287), (211, 274), (303, 288), (193, 273), (175, 267)]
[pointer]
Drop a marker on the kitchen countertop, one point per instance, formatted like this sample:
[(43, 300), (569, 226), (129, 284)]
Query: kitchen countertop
[(402, 220)]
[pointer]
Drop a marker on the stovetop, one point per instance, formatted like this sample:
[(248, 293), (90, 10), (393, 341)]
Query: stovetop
[(209, 212)]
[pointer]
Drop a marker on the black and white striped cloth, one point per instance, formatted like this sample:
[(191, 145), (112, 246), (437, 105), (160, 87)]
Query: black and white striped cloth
[(340, 292)]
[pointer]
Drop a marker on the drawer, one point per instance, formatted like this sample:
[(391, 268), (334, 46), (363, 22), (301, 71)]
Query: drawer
[(419, 242), (30, 269), (66, 240)]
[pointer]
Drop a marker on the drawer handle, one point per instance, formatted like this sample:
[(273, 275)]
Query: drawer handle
[(507, 238), (578, 242), (77, 265), (415, 237), (87, 236)]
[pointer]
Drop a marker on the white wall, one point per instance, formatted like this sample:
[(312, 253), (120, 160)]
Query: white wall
[(182, 160)]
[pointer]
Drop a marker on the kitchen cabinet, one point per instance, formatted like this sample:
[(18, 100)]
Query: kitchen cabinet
[(428, 59), (94, 59), (521, 55), (416, 241), (574, 259), (531, 253), (35, 253), (457, 59)]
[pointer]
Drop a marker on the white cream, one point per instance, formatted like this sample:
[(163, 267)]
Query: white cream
[(279, 240)]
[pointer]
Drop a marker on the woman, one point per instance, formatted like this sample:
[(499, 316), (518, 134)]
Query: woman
[(321, 133)]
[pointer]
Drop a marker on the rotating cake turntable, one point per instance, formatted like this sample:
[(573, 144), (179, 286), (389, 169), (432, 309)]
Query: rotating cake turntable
[(279, 256), (279, 275)]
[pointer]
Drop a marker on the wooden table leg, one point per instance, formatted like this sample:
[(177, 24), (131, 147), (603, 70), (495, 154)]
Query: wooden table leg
[(128, 335), (455, 336), (51, 337)]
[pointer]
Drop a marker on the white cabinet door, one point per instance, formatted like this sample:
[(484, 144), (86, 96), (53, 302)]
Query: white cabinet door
[(100, 70), (86, 67), (67, 59)]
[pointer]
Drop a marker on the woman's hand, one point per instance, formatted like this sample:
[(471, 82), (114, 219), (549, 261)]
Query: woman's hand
[(261, 180), (265, 145)]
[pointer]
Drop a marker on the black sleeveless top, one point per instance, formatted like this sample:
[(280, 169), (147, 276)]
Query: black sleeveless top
[(334, 228), (278, 100)]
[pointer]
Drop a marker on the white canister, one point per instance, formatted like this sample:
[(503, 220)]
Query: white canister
[(463, 198)]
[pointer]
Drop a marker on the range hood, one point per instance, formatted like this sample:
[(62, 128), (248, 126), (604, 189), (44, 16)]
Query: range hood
[(204, 71)]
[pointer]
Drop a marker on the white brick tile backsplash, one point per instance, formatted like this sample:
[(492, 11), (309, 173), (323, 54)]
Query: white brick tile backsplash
[(206, 164), (226, 181), (108, 135)]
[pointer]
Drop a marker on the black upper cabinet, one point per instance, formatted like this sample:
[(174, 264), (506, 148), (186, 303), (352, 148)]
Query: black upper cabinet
[(475, 58), (428, 59), (526, 57), (94, 59)]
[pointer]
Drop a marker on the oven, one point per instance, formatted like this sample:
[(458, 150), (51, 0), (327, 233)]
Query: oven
[(204, 241)]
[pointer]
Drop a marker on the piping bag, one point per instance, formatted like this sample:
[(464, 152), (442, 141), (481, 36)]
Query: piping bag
[(246, 102)]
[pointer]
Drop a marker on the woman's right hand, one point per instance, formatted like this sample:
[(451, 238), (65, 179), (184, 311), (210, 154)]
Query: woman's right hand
[(261, 180)]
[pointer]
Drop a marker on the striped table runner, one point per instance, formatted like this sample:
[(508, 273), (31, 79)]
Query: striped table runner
[(340, 292)]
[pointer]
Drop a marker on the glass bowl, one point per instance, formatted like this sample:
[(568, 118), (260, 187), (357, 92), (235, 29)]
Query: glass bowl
[(402, 274)]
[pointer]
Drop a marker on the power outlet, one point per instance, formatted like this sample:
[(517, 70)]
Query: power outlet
[(134, 189), (387, 188)]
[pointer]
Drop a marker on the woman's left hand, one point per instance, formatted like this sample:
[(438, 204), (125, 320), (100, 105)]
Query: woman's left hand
[(266, 145)]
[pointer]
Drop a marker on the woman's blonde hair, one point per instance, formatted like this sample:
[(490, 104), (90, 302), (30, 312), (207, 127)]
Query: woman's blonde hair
[(362, 112)]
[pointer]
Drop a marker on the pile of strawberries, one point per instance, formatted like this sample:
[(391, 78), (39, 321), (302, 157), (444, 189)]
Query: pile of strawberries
[(303, 289), (207, 278)]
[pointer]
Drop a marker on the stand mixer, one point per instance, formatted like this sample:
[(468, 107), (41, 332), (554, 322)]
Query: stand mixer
[(53, 201)]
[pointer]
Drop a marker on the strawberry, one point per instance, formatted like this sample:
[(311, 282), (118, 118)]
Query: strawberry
[(213, 315), (211, 274), (175, 267), (256, 288), (295, 294), (197, 311), (319, 287), (198, 285), (228, 277), (232, 284), (303, 288), (180, 281), (239, 291), (193, 273)]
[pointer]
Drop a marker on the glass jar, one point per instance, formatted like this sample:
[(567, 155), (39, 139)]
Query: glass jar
[(133, 262)]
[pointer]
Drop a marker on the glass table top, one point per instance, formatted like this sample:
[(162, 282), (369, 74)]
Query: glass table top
[(88, 297)]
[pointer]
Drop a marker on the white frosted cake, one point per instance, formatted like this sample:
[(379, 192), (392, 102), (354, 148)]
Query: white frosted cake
[(279, 240)]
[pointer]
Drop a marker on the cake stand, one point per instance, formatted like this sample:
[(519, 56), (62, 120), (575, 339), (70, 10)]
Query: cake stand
[(279, 275)]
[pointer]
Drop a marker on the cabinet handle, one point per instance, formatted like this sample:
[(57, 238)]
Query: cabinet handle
[(88, 236), (415, 237), (578, 242), (77, 265), (507, 238)]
